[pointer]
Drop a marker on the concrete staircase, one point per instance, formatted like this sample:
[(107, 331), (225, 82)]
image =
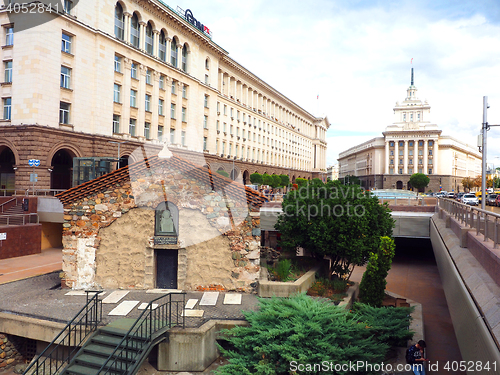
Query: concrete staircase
[(6, 217), (126, 355)]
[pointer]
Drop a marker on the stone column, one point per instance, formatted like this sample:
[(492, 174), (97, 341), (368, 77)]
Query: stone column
[(178, 110), (168, 52), (127, 80), (396, 157), (141, 102), (405, 158), (387, 151), (415, 156), (154, 107), (426, 158), (126, 26), (436, 158), (156, 43), (142, 35), (166, 108)]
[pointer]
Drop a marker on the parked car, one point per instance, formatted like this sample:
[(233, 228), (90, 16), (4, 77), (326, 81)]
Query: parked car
[(441, 194), (478, 195), (450, 195), (491, 199), (470, 199), (459, 196)]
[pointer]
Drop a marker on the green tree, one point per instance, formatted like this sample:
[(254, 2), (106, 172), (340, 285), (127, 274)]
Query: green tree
[(223, 173), (285, 180), (468, 183), (372, 286), (301, 181), (306, 330), (267, 179), (256, 178), (419, 181), (342, 222), (275, 181), (350, 180)]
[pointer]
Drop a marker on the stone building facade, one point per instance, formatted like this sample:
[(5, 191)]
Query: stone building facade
[(412, 144), (111, 76), (114, 230)]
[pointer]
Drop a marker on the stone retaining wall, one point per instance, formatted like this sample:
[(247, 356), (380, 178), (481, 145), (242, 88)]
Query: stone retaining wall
[(9, 355)]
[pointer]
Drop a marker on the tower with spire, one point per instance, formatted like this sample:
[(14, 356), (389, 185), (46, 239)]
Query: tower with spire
[(412, 113)]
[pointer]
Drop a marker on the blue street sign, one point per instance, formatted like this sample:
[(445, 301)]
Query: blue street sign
[(34, 162)]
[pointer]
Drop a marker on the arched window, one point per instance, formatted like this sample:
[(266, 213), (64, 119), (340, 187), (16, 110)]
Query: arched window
[(167, 219), (162, 49), (184, 58), (119, 22), (173, 53), (134, 31), (207, 64), (149, 38)]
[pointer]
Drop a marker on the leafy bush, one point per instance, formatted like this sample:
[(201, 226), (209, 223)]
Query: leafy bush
[(256, 178), (223, 173), (372, 286), (305, 330), (283, 269)]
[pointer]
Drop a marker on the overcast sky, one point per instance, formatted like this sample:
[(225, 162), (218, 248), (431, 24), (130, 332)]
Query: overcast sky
[(355, 54)]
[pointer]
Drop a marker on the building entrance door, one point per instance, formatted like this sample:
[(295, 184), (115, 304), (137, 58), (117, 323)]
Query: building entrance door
[(166, 269)]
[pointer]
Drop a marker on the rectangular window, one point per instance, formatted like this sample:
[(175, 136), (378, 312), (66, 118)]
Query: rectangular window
[(116, 124), (231, 130), (65, 77), (160, 133), (7, 108), (133, 70), (173, 87), (419, 170), (410, 161), (430, 152), (217, 126), (148, 103), (391, 170), (66, 43), (420, 161), (232, 112), (206, 79), (204, 143), (225, 109), (391, 161), (160, 107), (183, 138), (148, 77), (133, 98), (410, 152), (430, 170), (8, 71), (218, 107), (184, 116), (9, 36), (205, 122), (430, 161), (172, 135), (400, 152), (420, 152), (68, 5), (118, 64), (400, 171), (131, 127), (230, 149), (172, 111), (205, 101), (63, 112), (184, 92), (223, 148), (225, 128), (162, 82), (116, 93), (147, 127), (410, 170)]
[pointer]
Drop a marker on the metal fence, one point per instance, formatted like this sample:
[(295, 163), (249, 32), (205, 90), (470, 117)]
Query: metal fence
[(484, 222)]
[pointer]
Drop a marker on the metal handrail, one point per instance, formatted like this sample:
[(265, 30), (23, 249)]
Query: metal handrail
[(140, 335), (8, 217), (474, 218), (10, 200), (66, 344)]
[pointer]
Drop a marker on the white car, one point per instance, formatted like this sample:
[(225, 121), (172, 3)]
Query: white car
[(470, 199)]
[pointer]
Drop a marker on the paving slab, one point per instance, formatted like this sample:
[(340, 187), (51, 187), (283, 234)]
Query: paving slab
[(209, 299), (115, 297), (81, 293), (193, 313), (124, 308), (143, 306), (191, 303), (232, 299)]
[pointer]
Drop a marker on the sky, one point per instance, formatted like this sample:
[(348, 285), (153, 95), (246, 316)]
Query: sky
[(356, 56)]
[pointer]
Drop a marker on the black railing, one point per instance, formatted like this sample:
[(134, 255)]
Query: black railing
[(67, 343), (161, 314)]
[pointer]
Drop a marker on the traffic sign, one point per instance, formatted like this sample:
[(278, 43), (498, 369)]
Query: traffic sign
[(34, 162)]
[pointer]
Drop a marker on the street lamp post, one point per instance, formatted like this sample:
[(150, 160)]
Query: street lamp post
[(484, 133)]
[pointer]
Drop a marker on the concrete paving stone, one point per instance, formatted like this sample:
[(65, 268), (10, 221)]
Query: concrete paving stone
[(124, 308), (193, 313), (81, 293), (232, 299), (115, 297), (163, 291), (191, 303), (209, 299), (143, 306)]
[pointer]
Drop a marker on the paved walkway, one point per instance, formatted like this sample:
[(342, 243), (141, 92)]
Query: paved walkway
[(36, 293)]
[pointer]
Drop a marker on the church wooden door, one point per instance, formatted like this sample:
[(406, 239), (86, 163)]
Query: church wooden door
[(166, 269)]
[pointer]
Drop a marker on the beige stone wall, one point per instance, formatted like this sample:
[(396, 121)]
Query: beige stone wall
[(121, 258)]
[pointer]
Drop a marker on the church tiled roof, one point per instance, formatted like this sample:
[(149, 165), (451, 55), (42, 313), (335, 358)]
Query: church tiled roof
[(203, 174)]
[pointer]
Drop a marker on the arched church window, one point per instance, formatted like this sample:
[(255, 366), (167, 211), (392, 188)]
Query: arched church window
[(167, 220), (119, 22)]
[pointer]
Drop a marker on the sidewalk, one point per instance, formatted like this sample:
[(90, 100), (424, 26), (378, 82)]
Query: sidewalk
[(14, 269)]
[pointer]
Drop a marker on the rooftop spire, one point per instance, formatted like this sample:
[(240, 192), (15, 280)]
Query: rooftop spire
[(412, 76)]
